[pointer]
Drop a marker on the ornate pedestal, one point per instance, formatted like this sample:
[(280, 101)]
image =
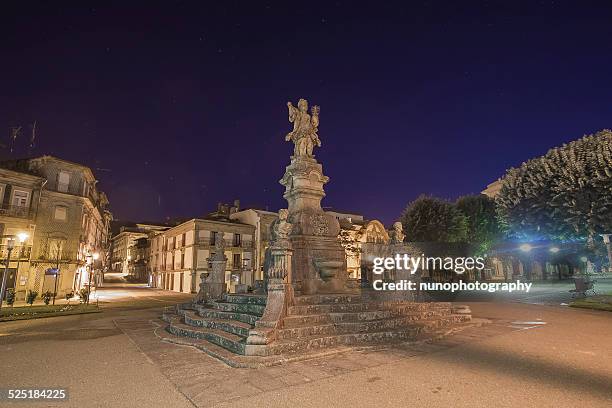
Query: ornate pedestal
[(319, 260), (212, 286)]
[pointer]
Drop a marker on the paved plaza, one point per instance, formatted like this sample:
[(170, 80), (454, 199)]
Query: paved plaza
[(525, 354)]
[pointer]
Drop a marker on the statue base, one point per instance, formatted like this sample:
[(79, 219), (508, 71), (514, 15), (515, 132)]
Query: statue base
[(319, 264)]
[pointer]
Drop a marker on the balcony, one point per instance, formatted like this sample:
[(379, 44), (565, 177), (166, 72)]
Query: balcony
[(231, 244), (18, 252), (16, 211)]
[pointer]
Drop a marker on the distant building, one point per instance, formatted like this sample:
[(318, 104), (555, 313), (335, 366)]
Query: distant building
[(124, 242), (354, 232), (139, 263), (179, 255), (493, 189), (261, 220), (71, 223)]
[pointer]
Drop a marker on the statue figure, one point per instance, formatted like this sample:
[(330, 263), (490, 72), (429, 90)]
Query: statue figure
[(219, 244), (281, 228), (398, 233), (305, 128)]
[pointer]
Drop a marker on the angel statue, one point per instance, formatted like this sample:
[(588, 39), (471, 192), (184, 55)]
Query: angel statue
[(305, 128)]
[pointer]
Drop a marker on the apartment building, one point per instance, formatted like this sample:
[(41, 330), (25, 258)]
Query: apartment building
[(19, 202), (179, 255), (261, 220), (123, 244), (71, 223)]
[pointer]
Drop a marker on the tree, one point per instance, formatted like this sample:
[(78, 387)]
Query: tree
[(434, 220), (482, 226), (564, 195)]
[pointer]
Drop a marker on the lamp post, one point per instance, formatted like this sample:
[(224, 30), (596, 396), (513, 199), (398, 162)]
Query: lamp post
[(10, 245), (90, 260)]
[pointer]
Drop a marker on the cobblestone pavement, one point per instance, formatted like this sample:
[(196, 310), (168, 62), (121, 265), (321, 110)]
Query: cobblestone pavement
[(206, 381)]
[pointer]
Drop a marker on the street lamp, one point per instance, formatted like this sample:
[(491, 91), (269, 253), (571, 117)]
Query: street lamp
[(554, 250), (10, 245), (525, 247), (90, 260)]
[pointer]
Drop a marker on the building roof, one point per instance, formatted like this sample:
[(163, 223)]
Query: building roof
[(23, 164)]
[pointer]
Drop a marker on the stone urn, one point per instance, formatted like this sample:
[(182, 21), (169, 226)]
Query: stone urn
[(333, 275)]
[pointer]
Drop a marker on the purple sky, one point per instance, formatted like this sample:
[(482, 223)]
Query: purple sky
[(179, 106)]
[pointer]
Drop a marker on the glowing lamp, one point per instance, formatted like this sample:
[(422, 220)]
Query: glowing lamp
[(525, 247)]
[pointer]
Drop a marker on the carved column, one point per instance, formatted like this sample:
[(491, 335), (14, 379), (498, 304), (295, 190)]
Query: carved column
[(280, 296), (212, 286)]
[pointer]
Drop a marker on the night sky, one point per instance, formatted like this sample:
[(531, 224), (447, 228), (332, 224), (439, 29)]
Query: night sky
[(179, 105)]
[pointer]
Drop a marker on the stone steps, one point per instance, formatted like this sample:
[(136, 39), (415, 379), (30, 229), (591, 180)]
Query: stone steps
[(309, 343), (208, 312), (327, 299), (228, 341), (325, 318), (250, 299), (316, 322), (230, 326), (250, 308), (385, 324)]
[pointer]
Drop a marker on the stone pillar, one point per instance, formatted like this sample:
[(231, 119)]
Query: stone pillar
[(319, 260), (280, 296), (212, 286)]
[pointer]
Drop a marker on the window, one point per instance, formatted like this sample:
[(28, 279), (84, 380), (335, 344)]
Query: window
[(56, 247), (213, 237), (61, 213), (184, 238), (237, 261), (182, 260), (237, 240), (63, 181), (20, 198), (85, 188)]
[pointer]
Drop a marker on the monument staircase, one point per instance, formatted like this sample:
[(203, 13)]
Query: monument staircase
[(313, 324)]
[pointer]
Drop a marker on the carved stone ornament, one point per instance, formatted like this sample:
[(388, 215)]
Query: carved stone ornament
[(319, 224)]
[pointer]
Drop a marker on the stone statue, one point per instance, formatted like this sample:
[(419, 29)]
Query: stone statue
[(398, 233), (281, 229), (305, 128), (219, 245)]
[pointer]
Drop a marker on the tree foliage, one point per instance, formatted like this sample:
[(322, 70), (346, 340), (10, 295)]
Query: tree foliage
[(433, 220), (482, 226), (564, 195)]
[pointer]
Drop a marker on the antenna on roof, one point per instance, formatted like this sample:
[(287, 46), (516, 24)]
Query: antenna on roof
[(15, 131)]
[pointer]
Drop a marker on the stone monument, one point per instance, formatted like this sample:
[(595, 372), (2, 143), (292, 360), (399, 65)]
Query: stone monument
[(212, 286), (318, 262)]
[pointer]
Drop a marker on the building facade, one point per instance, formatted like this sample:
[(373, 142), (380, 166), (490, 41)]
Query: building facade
[(179, 255), (20, 195), (123, 245), (261, 220), (71, 223)]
